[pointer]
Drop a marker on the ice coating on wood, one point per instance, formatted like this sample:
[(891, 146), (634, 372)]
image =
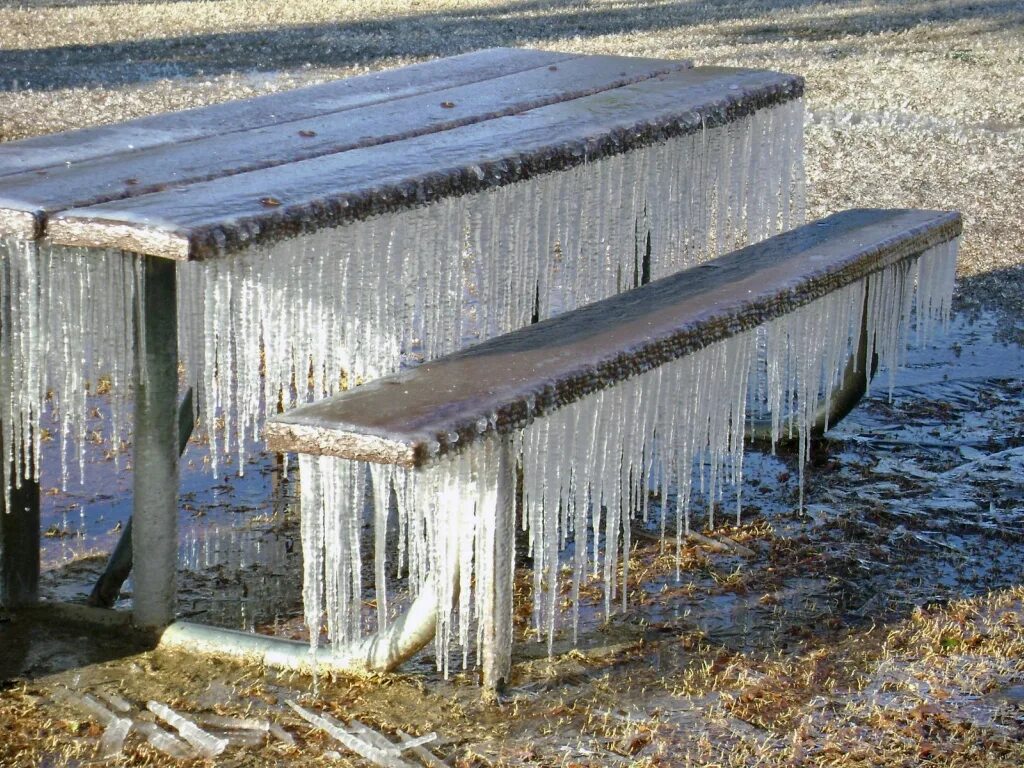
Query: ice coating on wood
[(225, 215), (500, 384), (329, 310), (78, 146), (306, 317), (588, 468), (27, 200), (67, 318)]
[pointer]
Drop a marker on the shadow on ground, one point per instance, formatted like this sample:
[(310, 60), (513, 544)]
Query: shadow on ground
[(36, 645), (999, 290), (370, 41)]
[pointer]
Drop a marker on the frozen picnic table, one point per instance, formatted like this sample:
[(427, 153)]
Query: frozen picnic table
[(360, 226)]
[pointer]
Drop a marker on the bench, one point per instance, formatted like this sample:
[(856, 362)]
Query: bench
[(252, 239), (657, 375)]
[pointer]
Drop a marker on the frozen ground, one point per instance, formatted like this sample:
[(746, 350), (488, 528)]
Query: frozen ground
[(885, 627)]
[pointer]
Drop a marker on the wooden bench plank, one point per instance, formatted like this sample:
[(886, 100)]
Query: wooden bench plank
[(208, 218), (27, 199), (497, 386), (89, 143)]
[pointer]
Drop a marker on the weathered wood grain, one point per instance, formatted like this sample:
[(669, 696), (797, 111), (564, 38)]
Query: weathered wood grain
[(206, 219), (77, 146), (26, 200)]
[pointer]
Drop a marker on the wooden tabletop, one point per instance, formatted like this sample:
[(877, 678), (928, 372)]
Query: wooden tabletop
[(209, 181)]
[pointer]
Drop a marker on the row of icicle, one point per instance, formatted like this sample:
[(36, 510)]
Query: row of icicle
[(293, 321), (590, 467), (364, 300)]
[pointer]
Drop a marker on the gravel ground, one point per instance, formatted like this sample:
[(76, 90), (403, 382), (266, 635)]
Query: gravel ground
[(842, 641)]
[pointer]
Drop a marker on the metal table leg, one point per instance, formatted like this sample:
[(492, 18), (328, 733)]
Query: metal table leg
[(19, 545), (155, 464)]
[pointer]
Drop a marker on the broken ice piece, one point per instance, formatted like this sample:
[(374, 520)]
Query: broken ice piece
[(371, 735), (162, 740), (282, 735), (419, 741), (426, 756), (205, 743), (245, 738), (351, 741), (116, 728), (87, 704), (234, 723), (378, 739), (117, 702), (112, 741)]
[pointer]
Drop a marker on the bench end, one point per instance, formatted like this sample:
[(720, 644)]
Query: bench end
[(289, 437)]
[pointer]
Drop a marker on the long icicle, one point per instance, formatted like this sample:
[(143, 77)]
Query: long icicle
[(602, 451)]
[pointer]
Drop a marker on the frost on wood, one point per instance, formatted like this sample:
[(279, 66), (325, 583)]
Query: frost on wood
[(588, 468), (305, 318)]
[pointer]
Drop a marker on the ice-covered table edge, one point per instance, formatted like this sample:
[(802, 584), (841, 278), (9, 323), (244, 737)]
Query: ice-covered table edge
[(208, 219)]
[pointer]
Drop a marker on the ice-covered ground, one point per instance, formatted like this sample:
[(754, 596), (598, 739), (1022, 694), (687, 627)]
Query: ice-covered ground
[(842, 628)]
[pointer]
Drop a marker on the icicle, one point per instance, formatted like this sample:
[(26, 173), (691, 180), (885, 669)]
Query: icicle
[(67, 329), (204, 743), (162, 740), (312, 531), (588, 468), (328, 310), (301, 319)]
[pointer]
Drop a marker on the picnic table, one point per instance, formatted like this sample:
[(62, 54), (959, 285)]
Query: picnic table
[(540, 180)]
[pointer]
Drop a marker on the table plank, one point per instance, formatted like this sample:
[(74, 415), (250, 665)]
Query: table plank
[(26, 200), (502, 384), (360, 91), (210, 218)]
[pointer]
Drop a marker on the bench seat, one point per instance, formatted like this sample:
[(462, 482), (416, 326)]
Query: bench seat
[(592, 407), (413, 417)]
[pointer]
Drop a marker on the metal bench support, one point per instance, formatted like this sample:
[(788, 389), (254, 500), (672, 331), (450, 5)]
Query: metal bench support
[(500, 536), (381, 652)]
